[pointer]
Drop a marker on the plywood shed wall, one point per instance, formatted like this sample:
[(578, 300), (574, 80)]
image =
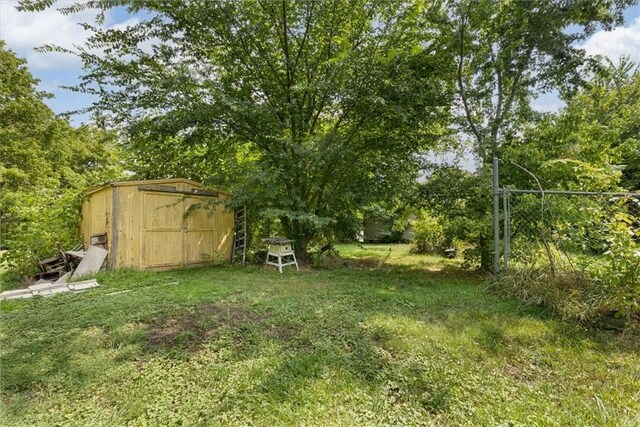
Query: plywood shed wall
[(158, 224)]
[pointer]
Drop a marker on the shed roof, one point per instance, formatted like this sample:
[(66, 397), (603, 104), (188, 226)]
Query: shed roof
[(147, 182)]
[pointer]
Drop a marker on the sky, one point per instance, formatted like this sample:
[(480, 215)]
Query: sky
[(24, 31)]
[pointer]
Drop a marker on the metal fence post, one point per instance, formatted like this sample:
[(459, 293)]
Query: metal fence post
[(506, 229), (496, 219)]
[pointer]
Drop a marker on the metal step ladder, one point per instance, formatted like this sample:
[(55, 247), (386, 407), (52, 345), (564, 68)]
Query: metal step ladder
[(239, 252)]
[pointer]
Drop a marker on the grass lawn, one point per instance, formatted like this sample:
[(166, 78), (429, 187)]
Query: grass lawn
[(400, 339)]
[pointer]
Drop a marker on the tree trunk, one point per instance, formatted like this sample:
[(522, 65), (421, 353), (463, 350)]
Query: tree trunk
[(302, 250), (485, 241), (302, 236), (486, 259)]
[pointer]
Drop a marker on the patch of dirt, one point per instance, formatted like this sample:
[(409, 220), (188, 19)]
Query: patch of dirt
[(289, 336), (512, 371), (278, 332), (526, 374), (190, 328)]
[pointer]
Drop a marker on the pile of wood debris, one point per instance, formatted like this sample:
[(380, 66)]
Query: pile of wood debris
[(61, 273)]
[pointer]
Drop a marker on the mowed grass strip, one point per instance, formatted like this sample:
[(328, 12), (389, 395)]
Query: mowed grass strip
[(404, 340)]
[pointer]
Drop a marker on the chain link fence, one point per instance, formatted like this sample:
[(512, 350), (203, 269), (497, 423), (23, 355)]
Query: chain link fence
[(575, 252), (564, 230)]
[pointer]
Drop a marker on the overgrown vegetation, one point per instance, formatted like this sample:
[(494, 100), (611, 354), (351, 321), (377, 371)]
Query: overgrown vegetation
[(430, 233), (460, 199), (577, 255), (577, 296), (403, 339), (580, 255), (45, 165), (581, 259)]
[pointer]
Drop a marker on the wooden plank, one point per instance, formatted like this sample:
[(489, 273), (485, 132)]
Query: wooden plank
[(115, 219), (85, 284), (225, 221), (174, 190), (91, 263), (63, 279), (76, 254)]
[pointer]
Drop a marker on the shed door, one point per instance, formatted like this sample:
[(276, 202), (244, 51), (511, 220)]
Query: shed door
[(162, 230), (177, 230), (199, 236)]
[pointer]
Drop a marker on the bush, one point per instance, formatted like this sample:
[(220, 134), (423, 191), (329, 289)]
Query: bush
[(601, 289), (39, 221), (583, 263), (618, 273), (326, 258), (429, 234)]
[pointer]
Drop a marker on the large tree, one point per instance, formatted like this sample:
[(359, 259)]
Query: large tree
[(312, 107), (510, 51), (591, 144), (39, 150)]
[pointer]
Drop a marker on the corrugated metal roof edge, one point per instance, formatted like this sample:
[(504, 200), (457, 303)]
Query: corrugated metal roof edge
[(150, 181)]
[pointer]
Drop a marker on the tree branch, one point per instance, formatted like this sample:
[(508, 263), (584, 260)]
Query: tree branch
[(461, 89)]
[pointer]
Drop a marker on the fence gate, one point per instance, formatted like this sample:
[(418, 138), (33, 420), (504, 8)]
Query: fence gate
[(561, 230)]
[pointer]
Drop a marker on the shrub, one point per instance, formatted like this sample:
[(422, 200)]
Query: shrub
[(602, 289), (429, 233), (618, 273), (583, 263), (40, 220), (326, 258)]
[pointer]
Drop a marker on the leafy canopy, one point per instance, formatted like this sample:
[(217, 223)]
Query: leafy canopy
[(592, 143), (509, 51), (307, 109), (506, 53)]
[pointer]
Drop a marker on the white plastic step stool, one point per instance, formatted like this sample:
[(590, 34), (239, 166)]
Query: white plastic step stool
[(280, 249)]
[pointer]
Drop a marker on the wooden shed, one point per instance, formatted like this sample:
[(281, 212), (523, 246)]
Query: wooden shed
[(158, 224)]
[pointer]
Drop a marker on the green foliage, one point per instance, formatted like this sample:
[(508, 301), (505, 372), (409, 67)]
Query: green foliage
[(306, 110), (461, 199), (618, 273), (591, 145), (45, 164), (325, 259), (429, 233), (571, 295), (582, 258), (42, 220), (508, 51)]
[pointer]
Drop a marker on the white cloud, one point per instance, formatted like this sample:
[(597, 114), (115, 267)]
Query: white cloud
[(547, 105), (619, 41), (134, 20), (24, 31)]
